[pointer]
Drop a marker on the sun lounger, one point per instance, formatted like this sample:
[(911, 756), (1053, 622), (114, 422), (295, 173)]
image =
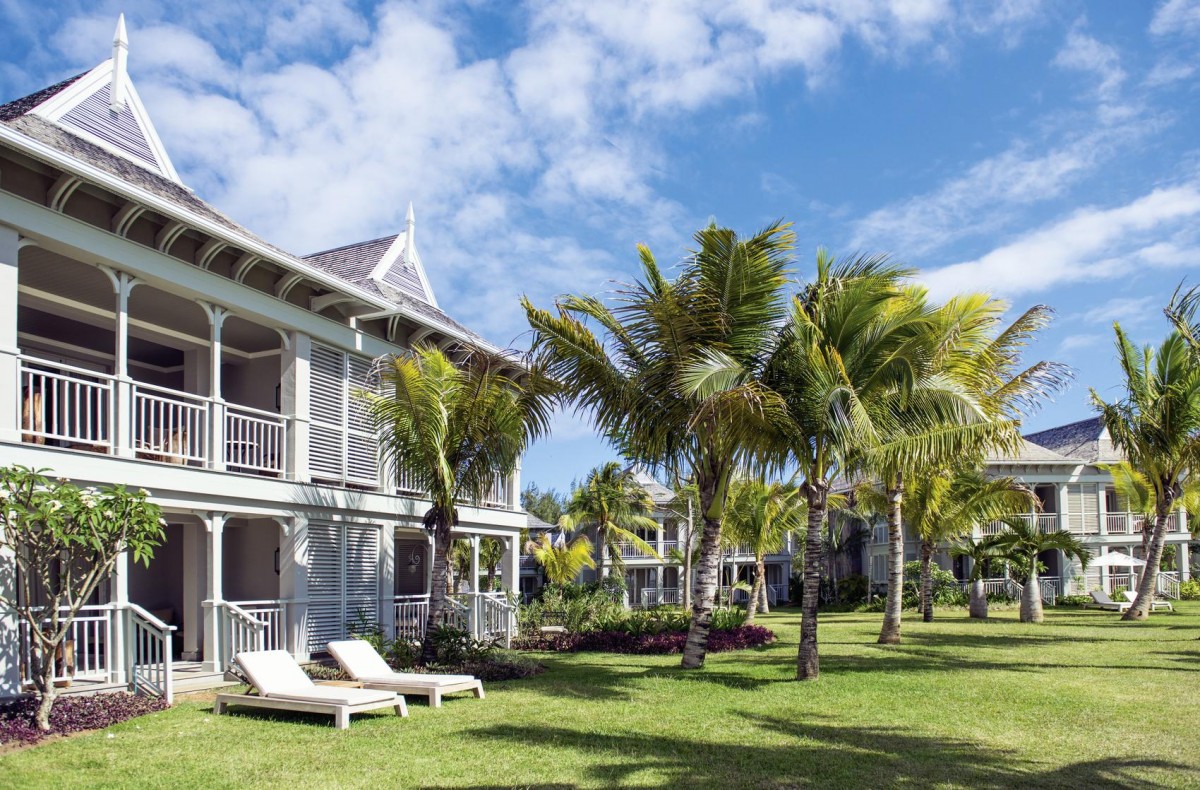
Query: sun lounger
[(365, 665), (282, 685), (1102, 601), (1155, 603)]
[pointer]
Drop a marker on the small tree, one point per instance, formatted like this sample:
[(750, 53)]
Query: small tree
[(1024, 541), (560, 560), (491, 554), (613, 504), (982, 553), (65, 541)]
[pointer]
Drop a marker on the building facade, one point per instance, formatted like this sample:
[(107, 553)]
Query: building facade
[(1062, 466), (148, 340)]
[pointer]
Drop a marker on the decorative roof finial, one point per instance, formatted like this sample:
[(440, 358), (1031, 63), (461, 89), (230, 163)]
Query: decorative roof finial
[(116, 92), (410, 226)]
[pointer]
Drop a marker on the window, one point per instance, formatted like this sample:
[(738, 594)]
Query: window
[(342, 448), (1083, 508), (343, 579)]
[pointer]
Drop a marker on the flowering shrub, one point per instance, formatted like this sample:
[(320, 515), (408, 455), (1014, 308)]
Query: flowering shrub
[(1190, 590), (73, 714), (664, 643)]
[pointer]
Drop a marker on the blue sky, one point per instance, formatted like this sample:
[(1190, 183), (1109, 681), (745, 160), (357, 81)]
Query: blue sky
[(1048, 152)]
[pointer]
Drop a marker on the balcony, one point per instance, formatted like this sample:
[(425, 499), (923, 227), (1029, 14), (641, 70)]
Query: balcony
[(77, 409), (1046, 523), (1134, 523)]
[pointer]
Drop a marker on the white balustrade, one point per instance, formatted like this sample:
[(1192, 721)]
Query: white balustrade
[(411, 615), (84, 654), (168, 425), (272, 614), (240, 632), (64, 404), (254, 440), (148, 653)]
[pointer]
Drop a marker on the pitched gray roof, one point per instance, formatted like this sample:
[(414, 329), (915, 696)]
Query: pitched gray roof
[(657, 491), (535, 523), (352, 262), (1087, 440), (17, 108), (1031, 453)]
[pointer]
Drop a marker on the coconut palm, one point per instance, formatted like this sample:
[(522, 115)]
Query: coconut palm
[(967, 398), (561, 561), (673, 379), (612, 504), (847, 347), (491, 554), (1156, 425), (1023, 540), (941, 507), (686, 553), (1136, 494), (759, 515), (450, 430), (981, 553)]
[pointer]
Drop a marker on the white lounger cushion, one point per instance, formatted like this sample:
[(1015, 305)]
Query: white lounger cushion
[(361, 662), (335, 695), (276, 674)]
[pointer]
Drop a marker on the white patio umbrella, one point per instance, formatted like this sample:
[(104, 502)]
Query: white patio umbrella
[(1115, 559)]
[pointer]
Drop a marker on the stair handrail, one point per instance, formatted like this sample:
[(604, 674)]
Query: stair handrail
[(148, 652)]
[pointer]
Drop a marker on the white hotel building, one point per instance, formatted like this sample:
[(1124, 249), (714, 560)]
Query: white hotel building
[(148, 340)]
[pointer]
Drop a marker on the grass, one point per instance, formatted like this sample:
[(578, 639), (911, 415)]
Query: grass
[(1083, 700)]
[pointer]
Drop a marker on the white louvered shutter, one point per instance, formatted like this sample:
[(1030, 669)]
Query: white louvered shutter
[(362, 447), (325, 600), (362, 573), (327, 396), (1083, 508)]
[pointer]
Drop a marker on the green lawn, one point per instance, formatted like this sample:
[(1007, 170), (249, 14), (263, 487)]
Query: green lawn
[(1081, 701)]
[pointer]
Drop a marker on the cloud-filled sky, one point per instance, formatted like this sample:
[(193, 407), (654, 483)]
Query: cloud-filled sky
[(1048, 152)]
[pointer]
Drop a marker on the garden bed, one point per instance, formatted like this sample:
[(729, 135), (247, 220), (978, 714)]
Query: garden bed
[(666, 643), (72, 715)]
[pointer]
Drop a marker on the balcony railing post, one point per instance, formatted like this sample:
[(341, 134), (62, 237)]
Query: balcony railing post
[(216, 435)]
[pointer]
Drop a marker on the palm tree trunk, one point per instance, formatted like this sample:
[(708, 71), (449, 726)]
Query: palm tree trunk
[(706, 582), (893, 608), (1031, 596), (755, 591), (926, 581), (808, 662), (979, 604), (1148, 585), (437, 592), (763, 602), (491, 578)]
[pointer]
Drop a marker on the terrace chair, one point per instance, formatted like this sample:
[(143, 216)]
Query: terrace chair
[(282, 685), (1155, 603), (1102, 601), (365, 665)]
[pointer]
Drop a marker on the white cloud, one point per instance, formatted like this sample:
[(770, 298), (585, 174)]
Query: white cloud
[(1127, 310), (1176, 16), (1092, 244), (1084, 53), (1076, 342)]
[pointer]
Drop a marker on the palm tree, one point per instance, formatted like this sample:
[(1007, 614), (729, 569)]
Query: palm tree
[(561, 561), (1023, 541), (967, 398), (491, 554), (1156, 424), (981, 553), (1136, 494), (674, 379), (848, 346), (612, 504), (942, 507), (760, 515), (459, 559), (450, 430)]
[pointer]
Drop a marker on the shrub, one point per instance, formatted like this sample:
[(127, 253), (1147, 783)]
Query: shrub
[(1190, 590), (1073, 600), (853, 589), (725, 619), (73, 714)]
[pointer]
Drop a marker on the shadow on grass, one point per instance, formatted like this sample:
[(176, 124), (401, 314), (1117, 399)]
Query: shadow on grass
[(814, 754)]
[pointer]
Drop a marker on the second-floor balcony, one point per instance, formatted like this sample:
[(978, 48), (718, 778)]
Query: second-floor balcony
[(69, 407), (1045, 522)]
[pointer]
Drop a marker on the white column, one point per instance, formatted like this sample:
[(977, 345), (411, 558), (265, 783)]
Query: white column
[(118, 594), (293, 583), (387, 577), (475, 563), (10, 645), (216, 413), (1184, 562), (510, 564), (294, 402), (476, 620), (1102, 509), (123, 414), (10, 402), (214, 527)]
